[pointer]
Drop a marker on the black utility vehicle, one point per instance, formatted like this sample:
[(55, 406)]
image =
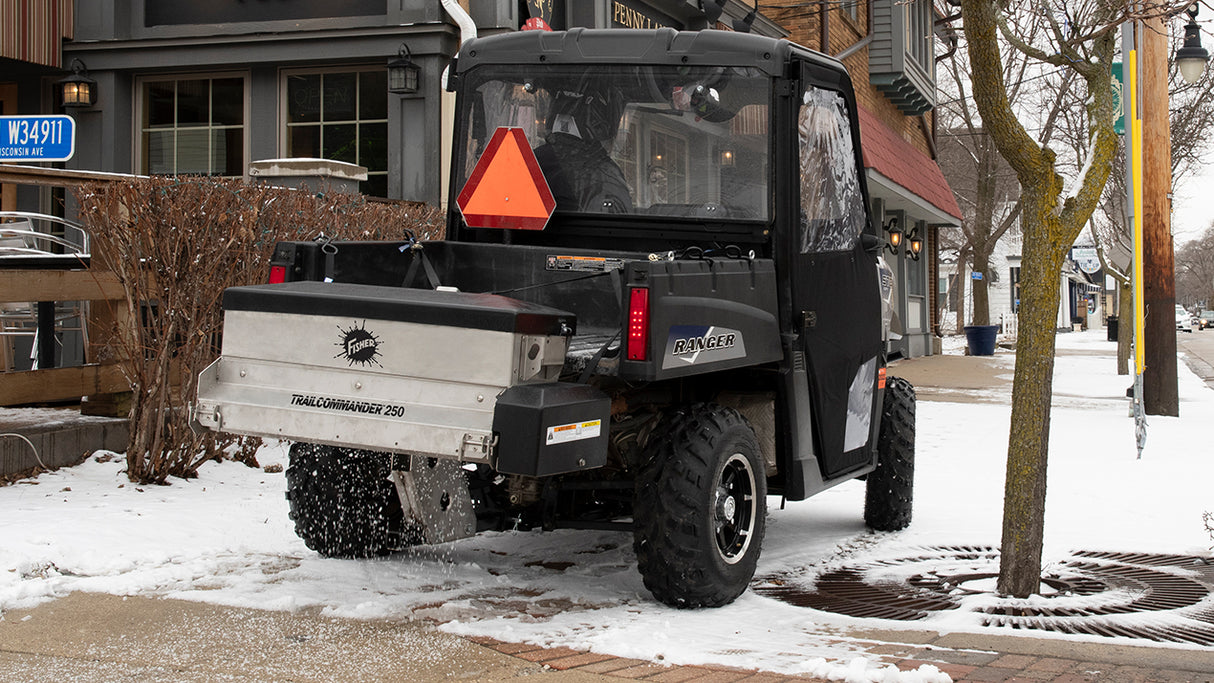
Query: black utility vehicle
[(701, 323)]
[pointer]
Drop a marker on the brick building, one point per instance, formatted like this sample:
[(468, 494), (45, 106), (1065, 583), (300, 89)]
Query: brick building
[(889, 48)]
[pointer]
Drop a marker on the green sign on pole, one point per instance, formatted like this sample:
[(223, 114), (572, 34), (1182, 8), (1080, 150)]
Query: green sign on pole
[(1118, 99)]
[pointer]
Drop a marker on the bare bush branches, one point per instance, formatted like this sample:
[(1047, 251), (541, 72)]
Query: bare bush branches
[(175, 245)]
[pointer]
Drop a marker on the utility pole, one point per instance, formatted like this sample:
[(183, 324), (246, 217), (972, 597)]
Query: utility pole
[(1160, 392)]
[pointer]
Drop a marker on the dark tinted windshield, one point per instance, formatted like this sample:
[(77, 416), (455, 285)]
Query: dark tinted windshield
[(650, 141)]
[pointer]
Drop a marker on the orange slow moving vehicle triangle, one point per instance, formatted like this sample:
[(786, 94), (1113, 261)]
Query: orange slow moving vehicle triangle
[(507, 189)]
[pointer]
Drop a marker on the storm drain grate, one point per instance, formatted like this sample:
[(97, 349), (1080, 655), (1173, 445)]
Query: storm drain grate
[(1158, 597)]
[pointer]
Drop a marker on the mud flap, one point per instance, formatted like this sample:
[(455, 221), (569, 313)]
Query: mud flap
[(435, 499)]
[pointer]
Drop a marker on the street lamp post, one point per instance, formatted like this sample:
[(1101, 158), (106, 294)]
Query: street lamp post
[(1191, 58)]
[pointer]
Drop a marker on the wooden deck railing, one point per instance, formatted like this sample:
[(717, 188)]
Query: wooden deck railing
[(39, 279)]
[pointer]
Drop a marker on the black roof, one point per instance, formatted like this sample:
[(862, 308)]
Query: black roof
[(638, 46)]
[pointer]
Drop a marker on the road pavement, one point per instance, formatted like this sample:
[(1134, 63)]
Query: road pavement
[(102, 638), (1197, 350)]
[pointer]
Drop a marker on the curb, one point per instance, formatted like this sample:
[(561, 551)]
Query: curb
[(1199, 366)]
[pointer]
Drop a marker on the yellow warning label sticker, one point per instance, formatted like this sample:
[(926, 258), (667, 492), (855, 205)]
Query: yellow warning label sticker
[(574, 432)]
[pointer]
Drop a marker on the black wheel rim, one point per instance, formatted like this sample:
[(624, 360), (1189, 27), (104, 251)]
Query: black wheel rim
[(734, 508)]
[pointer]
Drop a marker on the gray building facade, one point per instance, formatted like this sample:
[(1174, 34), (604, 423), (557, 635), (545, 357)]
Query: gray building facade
[(193, 87)]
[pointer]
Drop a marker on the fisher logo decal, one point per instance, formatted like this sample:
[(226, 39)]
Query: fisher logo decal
[(692, 344), (358, 345)]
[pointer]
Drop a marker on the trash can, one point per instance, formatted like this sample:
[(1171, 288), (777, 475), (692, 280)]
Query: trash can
[(1111, 322), (981, 339)]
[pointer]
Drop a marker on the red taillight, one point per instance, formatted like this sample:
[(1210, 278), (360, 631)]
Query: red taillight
[(638, 324), (278, 274)]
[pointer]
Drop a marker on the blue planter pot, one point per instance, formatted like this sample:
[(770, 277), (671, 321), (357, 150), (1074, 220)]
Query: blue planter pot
[(981, 339)]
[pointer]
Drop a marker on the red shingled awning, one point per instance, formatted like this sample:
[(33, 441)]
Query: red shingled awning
[(895, 159)]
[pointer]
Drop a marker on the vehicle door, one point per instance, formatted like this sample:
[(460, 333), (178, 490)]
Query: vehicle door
[(836, 299)]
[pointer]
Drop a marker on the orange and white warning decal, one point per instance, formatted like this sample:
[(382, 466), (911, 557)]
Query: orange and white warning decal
[(574, 432)]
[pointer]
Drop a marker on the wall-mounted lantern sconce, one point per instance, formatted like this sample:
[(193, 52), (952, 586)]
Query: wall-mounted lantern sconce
[(78, 90), (1191, 57), (404, 76), (895, 236), (916, 245)]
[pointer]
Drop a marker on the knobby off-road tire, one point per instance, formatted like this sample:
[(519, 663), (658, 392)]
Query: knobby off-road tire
[(343, 502), (888, 496), (700, 507)]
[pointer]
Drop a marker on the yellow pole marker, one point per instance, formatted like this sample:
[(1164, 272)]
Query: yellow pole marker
[(1136, 166)]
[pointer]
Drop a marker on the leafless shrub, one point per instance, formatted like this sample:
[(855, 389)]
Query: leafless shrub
[(175, 244)]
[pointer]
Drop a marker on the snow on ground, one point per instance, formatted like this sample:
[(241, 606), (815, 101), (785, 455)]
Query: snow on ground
[(225, 538)]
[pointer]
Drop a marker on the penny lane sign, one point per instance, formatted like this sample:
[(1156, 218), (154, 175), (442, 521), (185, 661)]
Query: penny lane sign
[(37, 138), (633, 14)]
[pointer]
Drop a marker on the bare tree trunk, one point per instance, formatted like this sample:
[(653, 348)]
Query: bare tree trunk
[(1050, 224), (1125, 327), (982, 299), (1028, 443), (960, 279)]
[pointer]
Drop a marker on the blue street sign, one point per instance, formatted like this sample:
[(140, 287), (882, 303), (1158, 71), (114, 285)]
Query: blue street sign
[(37, 138)]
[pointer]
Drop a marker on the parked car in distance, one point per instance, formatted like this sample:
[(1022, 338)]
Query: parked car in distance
[(1183, 320), (1205, 320)]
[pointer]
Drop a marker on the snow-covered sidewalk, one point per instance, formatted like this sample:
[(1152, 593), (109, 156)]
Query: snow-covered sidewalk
[(225, 538)]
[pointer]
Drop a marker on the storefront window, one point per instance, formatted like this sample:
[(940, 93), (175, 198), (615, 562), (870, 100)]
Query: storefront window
[(178, 12), (343, 116), (916, 277), (666, 179), (193, 126)]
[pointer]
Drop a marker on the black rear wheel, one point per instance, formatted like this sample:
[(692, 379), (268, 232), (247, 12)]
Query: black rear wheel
[(888, 496), (700, 508), (344, 502)]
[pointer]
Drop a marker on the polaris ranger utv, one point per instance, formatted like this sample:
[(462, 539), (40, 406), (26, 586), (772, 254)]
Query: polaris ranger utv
[(660, 301)]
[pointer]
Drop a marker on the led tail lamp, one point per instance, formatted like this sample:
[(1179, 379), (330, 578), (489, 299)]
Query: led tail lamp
[(638, 324)]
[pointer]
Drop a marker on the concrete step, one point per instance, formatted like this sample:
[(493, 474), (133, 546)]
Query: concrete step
[(58, 437)]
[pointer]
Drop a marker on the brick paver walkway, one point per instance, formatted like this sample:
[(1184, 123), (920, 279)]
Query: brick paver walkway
[(962, 665)]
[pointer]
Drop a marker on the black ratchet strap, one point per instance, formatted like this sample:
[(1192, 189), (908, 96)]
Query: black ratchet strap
[(419, 258)]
